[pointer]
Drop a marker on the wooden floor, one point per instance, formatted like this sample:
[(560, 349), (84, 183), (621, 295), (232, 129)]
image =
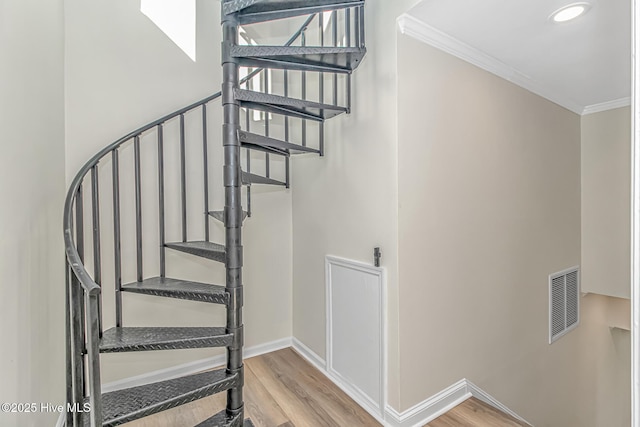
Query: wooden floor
[(474, 413), (281, 390), (284, 390)]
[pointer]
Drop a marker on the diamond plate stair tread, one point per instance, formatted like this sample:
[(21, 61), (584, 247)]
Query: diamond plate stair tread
[(249, 178), (180, 289), (222, 419), (127, 339), (219, 215), (310, 58), (130, 404), (207, 250), (287, 106), (252, 11), (253, 139)]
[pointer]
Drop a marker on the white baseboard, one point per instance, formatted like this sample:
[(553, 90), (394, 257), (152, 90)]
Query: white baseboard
[(309, 354), (442, 402), (416, 416), (482, 395), (431, 408), (192, 367), (353, 392), (187, 369)]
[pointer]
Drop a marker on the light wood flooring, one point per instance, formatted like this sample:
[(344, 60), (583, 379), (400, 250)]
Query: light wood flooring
[(281, 390), (284, 390), (474, 413)]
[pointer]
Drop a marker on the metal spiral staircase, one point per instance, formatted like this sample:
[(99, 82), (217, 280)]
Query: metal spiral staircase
[(322, 70)]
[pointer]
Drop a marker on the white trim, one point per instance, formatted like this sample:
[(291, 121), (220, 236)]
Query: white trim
[(193, 367), (187, 369), (425, 33), (482, 395), (609, 105), (419, 414), (319, 363), (635, 218), (431, 408), (416, 416), (363, 399), (311, 357)]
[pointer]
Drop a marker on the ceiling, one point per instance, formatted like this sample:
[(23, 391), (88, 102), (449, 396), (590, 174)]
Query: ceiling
[(583, 65)]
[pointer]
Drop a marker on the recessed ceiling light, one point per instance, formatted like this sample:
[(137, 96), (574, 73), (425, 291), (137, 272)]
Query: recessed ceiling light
[(569, 12)]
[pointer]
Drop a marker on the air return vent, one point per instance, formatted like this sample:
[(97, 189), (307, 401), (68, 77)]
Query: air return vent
[(564, 302)]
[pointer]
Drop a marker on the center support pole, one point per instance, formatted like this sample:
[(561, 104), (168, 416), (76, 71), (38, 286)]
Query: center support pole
[(232, 211)]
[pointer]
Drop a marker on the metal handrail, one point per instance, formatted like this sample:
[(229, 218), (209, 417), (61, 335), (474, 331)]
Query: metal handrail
[(73, 257)]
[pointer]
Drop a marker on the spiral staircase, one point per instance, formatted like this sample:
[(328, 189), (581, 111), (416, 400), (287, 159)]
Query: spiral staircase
[(318, 59)]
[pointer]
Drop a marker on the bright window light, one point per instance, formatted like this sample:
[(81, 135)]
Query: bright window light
[(569, 12), (177, 19)]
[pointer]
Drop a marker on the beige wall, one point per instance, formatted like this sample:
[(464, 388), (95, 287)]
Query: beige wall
[(489, 206), (345, 204), (606, 186), (121, 73), (32, 191)]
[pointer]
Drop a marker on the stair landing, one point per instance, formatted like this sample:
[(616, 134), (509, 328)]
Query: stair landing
[(475, 413)]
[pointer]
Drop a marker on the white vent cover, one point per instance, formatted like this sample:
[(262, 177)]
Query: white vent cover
[(564, 302)]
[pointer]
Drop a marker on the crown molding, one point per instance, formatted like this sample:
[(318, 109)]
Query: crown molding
[(609, 105), (425, 33)]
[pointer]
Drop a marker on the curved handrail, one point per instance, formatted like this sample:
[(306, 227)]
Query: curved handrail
[(73, 257)]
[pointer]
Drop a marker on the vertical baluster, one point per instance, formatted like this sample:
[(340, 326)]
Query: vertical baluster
[(206, 172), (161, 220), (321, 87), (75, 345), (334, 37), (138, 192), (69, 348), (347, 26), (361, 26), (286, 127), (93, 362), (183, 179), (97, 258), (357, 26), (80, 230), (286, 95), (78, 309), (266, 124), (117, 252), (248, 127), (348, 43), (303, 41)]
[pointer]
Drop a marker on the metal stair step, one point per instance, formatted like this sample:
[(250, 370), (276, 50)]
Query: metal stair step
[(277, 104), (205, 249), (251, 140), (253, 11), (180, 289), (303, 58), (219, 215), (222, 419), (249, 178), (118, 340), (130, 404)]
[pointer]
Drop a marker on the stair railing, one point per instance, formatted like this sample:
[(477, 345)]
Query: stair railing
[(84, 320)]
